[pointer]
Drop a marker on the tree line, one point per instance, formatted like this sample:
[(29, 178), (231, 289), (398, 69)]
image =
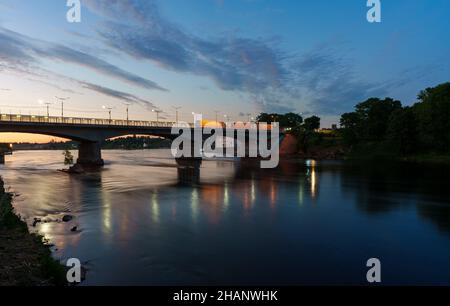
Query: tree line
[(421, 127), (383, 124)]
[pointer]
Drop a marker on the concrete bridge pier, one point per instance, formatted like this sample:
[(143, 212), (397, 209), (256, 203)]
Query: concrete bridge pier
[(189, 170), (90, 154)]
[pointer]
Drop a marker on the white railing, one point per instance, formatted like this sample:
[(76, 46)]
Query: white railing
[(84, 121)]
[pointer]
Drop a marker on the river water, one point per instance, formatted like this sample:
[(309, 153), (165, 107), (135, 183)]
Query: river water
[(302, 223)]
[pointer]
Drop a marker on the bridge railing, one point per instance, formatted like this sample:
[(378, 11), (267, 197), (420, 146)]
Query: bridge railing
[(86, 121)]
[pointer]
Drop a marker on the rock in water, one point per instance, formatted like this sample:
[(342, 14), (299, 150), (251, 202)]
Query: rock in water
[(67, 218)]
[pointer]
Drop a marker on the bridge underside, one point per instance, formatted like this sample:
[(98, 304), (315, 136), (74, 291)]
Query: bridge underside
[(90, 137)]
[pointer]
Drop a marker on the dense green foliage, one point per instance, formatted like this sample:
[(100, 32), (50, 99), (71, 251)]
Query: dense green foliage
[(304, 130), (422, 127)]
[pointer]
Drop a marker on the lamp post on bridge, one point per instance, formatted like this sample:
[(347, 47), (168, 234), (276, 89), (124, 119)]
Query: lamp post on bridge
[(176, 108), (109, 112), (157, 114), (47, 104), (127, 107), (62, 100)]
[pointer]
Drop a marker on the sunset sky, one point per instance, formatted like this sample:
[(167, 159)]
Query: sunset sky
[(236, 56)]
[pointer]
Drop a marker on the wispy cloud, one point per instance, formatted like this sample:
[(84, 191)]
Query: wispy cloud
[(118, 94), (233, 63), (18, 51), (269, 77)]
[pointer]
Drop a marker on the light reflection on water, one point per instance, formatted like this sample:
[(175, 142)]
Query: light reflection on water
[(303, 223)]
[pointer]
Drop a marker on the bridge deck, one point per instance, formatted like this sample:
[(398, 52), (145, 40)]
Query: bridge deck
[(82, 121)]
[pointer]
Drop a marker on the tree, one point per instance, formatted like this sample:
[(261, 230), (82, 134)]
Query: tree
[(68, 157), (350, 125), (289, 120), (402, 132), (312, 123), (292, 120), (374, 116), (433, 117)]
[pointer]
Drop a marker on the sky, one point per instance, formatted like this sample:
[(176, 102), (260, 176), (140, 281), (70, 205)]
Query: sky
[(238, 57)]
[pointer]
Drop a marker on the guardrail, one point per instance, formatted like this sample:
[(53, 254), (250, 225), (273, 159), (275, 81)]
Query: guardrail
[(84, 121)]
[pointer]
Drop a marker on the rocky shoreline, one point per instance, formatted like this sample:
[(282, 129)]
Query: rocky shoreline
[(26, 259)]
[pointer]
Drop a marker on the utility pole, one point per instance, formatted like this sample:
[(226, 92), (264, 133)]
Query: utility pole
[(176, 112)]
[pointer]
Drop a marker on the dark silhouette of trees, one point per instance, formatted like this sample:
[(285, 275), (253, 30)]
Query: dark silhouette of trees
[(402, 132), (422, 127), (432, 113), (312, 123), (289, 120)]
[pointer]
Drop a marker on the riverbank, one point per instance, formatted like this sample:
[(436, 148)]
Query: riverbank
[(25, 259)]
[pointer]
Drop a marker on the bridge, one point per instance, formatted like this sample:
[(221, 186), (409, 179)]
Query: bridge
[(89, 132)]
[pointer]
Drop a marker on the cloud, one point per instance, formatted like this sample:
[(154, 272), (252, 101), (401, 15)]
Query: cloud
[(117, 94), (233, 63), (326, 80), (18, 52), (271, 79)]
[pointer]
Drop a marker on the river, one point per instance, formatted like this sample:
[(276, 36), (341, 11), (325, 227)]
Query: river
[(303, 223)]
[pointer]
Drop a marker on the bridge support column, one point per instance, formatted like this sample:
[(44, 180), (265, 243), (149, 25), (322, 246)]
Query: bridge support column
[(188, 170), (90, 154)]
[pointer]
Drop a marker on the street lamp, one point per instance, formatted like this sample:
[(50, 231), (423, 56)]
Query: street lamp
[(47, 104), (62, 100), (109, 111), (128, 118), (176, 108), (157, 114)]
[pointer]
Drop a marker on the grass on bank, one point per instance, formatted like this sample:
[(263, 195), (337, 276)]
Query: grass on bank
[(25, 259)]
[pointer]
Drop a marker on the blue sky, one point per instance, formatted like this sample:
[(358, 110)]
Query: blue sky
[(237, 56)]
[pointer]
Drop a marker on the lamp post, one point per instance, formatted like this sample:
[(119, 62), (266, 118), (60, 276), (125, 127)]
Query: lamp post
[(157, 114), (109, 112), (176, 108), (62, 100), (128, 106), (47, 104)]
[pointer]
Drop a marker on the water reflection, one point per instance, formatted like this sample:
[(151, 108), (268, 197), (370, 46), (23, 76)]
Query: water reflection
[(142, 221)]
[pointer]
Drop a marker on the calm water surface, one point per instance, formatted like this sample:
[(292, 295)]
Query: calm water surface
[(303, 223)]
